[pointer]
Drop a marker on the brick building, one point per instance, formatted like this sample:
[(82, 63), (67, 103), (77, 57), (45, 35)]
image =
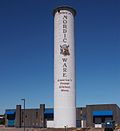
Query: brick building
[(90, 116)]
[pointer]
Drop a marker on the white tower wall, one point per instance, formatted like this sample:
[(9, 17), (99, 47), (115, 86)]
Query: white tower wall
[(64, 68)]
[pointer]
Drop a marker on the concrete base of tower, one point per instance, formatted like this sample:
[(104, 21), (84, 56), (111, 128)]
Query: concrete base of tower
[(65, 118)]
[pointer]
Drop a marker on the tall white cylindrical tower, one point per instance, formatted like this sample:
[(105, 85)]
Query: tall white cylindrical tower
[(64, 68)]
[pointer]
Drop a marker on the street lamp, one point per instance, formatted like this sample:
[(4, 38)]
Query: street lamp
[(24, 112)]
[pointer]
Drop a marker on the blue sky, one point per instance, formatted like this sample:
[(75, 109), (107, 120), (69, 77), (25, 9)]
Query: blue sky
[(26, 51)]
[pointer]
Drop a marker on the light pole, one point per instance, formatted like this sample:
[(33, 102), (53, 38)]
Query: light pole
[(24, 112)]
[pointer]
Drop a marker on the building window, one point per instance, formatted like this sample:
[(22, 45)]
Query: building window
[(36, 115)]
